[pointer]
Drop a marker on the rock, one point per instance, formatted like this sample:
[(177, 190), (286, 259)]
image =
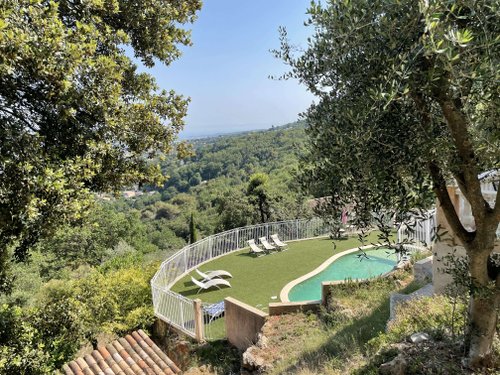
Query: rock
[(262, 341), (395, 367), (202, 370), (419, 337), (253, 362), (180, 352), (400, 346), (423, 269)]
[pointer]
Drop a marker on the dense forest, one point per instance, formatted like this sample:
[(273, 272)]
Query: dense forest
[(93, 278)]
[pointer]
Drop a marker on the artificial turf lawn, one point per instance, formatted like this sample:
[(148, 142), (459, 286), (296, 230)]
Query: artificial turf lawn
[(256, 279)]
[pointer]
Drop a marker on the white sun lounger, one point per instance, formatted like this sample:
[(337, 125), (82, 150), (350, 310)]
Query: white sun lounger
[(281, 245), (267, 245), (209, 275), (255, 249), (209, 284)]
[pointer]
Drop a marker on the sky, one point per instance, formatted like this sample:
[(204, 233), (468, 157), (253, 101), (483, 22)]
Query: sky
[(225, 72)]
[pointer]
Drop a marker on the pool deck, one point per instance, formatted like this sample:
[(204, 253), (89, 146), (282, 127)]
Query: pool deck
[(284, 292)]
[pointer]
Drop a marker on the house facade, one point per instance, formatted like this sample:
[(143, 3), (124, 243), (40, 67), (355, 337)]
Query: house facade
[(447, 243)]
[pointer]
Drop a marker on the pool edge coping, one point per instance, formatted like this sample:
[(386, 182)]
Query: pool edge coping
[(286, 289)]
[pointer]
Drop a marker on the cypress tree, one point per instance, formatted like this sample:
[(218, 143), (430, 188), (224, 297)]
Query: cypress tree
[(193, 235)]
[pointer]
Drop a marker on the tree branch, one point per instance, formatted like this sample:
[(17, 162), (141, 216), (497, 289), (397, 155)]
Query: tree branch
[(14, 114), (470, 186), (449, 210)]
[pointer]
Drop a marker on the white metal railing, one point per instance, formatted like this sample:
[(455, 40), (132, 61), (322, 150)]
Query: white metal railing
[(420, 230), (174, 308), (178, 310)]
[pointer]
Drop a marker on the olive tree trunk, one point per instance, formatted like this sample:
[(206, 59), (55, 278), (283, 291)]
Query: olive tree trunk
[(485, 286), (483, 310)]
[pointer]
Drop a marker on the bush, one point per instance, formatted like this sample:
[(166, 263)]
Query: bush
[(21, 350), (71, 313), (438, 316)]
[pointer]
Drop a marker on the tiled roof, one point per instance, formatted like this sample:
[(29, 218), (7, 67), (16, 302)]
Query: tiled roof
[(136, 354)]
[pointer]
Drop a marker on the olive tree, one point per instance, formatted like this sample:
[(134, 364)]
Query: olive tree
[(76, 117), (408, 102)]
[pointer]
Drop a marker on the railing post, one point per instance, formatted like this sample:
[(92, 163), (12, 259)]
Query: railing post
[(198, 320), (181, 310), (210, 242), (427, 232)]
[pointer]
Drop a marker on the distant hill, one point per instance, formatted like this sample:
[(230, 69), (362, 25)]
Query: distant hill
[(232, 154), (215, 179), (190, 135)]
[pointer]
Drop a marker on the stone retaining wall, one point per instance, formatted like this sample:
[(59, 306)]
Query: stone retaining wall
[(243, 323)]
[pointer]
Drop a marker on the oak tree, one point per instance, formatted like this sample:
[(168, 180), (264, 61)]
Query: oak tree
[(76, 116)]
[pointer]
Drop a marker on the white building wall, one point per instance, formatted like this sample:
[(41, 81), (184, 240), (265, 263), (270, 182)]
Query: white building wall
[(448, 244)]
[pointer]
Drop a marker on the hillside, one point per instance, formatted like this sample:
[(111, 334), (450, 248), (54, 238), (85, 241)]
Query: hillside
[(211, 185), (93, 278), (213, 182)]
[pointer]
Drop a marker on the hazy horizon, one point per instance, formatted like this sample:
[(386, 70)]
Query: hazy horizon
[(186, 134)]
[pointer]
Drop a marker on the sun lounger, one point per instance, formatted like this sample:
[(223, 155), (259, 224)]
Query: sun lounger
[(214, 310), (209, 284), (281, 245), (267, 245), (255, 249), (209, 275)]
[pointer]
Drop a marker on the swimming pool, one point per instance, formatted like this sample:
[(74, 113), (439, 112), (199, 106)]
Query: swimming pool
[(379, 261)]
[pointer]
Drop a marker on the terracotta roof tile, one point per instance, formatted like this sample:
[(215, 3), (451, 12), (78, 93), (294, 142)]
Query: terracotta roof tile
[(136, 354)]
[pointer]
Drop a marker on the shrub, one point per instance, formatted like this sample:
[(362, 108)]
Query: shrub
[(70, 313), (438, 316), (21, 351)]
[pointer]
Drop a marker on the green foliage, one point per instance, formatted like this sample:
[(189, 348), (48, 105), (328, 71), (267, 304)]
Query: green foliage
[(435, 315), (378, 126), (70, 313), (75, 115), (104, 234), (166, 211), (193, 233), (234, 210), (220, 200), (407, 96), (439, 316), (220, 356), (257, 191), (20, 349)]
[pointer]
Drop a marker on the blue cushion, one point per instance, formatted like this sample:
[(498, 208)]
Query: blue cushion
[(215, 309)]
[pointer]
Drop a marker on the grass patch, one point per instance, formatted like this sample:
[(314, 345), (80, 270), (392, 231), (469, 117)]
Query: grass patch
[(350, 337), (257, 279), (336, 341)]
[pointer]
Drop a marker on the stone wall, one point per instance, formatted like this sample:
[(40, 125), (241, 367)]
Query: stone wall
[(422, 269), (243, 323)]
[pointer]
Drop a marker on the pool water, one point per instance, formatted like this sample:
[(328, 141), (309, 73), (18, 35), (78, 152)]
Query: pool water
[(348, 266)]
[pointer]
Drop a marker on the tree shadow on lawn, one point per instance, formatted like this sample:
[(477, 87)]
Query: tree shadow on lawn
[(194, 291), (346, 342), (247, 254)]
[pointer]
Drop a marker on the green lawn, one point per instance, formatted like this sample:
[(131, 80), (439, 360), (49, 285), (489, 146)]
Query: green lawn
[(256, 279)]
